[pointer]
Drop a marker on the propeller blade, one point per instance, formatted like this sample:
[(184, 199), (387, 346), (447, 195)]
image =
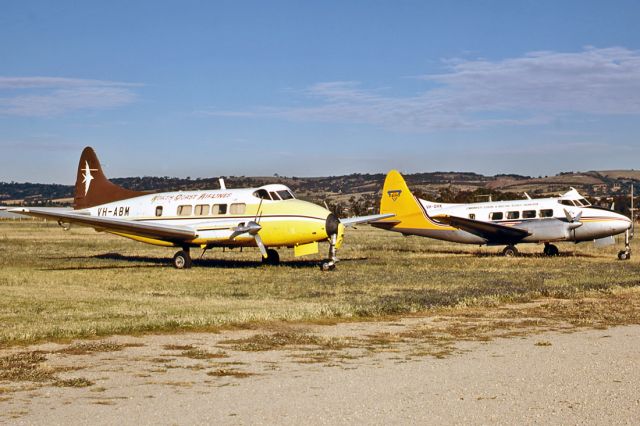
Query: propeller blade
[(572, 218), (263, 249), (249, 228)]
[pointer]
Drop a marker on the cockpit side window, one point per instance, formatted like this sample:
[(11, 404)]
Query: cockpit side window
[(262, 193), (274, 196), (285, 195)]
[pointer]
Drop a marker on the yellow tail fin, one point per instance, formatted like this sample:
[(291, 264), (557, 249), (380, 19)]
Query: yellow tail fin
[(398, 199)]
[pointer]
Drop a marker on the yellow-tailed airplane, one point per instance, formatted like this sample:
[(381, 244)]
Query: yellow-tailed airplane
[(569, 217), (267, 217)]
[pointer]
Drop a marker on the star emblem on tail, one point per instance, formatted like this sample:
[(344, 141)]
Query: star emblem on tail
[(87, 177)]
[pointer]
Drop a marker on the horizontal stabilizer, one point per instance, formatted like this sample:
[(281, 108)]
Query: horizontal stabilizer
[(350, 221)]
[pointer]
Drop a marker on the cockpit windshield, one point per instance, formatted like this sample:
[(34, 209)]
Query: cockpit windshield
[(282, 194), (285, 195), (584, 202)]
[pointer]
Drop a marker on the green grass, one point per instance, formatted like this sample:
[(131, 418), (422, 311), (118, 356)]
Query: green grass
[(57, 285)]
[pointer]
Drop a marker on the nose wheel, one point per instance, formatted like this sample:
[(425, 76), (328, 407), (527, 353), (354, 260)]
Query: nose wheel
[(626, 253), (330, 264)]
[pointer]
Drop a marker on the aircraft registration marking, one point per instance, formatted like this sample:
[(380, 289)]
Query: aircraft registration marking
[(116, 211)]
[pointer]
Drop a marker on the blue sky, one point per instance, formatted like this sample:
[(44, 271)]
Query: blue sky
[(208, 88)]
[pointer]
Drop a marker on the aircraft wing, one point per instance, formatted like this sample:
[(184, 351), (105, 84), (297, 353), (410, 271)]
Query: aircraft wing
[(350, 221), (492, 232), (143, 229)]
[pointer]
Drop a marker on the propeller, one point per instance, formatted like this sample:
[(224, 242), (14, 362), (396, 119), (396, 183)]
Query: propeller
[(574, 221), (252, 228)]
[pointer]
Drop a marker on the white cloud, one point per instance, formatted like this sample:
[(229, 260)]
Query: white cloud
[(532, 89), (53, 96)]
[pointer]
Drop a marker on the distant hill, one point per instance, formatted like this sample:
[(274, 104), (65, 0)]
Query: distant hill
[(359, 193)]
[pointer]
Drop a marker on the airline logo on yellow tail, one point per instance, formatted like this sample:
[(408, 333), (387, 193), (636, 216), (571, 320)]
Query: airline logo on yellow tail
[(394, 194)]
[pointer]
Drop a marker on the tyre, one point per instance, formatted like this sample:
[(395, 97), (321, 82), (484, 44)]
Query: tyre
[(327, 266), (551, 250), (510, 251), (273, 258), (182, 260), (624, 255)]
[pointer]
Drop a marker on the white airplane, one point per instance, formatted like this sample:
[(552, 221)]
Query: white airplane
[(569, 217), (266, 217)]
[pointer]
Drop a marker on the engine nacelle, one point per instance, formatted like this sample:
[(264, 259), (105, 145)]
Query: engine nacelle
[(550, 230)]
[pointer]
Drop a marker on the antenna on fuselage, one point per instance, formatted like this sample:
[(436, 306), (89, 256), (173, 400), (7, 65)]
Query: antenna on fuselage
[(222, 186)]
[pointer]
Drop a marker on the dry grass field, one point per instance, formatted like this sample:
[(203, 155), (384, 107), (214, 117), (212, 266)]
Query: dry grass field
[(57, 285)]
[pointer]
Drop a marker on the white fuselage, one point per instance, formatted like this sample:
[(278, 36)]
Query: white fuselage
[(547, 219), (214, 214)]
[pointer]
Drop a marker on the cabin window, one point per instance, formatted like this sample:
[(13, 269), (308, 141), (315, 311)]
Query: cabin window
[(566, 203), (202, 209), (513, 215), (496, 216), (546, 213), (219, 209), (274, 196), (185, 210), (285, 195), (262, 193), (238, 208), (529, 214), (158, 210), (472, 216)]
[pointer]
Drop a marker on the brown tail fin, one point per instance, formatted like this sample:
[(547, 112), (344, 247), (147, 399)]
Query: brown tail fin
[(92, 187)]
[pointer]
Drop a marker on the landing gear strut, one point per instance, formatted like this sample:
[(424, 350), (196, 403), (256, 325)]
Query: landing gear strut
[(550, 250), (330, 264), (510, 251), (626, 253), (273, 258), (182, 259)]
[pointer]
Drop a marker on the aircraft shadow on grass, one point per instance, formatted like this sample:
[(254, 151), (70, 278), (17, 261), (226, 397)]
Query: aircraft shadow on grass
[(489, 254), (154, 262)]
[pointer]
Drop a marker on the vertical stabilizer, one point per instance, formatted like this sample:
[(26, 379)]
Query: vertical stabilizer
[(92, 187), (398, 199)]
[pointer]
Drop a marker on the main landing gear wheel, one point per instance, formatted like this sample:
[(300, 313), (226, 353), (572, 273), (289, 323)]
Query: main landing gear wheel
[(182, 260), (550, 250), (273, 258), (510, 251), (624, 255)]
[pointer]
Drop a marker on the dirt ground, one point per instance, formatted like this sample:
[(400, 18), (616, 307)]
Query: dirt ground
[(335, 374)]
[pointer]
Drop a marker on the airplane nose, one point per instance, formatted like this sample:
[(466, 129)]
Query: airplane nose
[(622, 224)]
